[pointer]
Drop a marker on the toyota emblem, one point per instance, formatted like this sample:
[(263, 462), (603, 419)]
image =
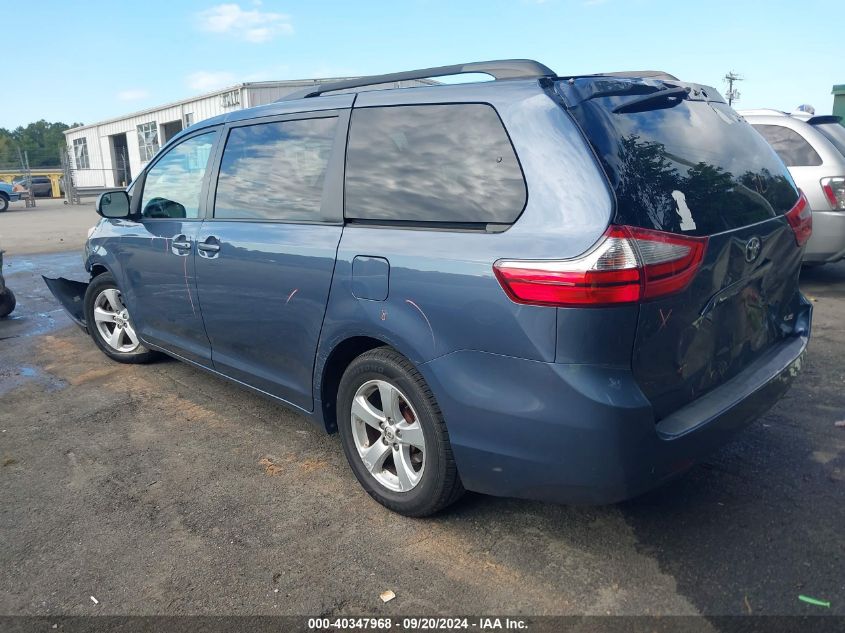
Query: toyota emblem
[(752, 249)]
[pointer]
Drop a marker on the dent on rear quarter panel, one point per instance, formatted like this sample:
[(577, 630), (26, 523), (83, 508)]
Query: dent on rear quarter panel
[(443, 296)]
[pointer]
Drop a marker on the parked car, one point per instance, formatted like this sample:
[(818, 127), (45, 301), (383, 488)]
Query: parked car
[(813, 148), (42, 186), (7, 195), (7, 297), (561, 288)]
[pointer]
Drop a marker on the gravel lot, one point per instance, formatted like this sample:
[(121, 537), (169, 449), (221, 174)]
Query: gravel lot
[(162, 490), (50, 227)]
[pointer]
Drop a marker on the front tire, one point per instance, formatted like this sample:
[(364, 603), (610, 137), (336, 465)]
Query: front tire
[(4, 203), (394, 435), (109, 323), (7, 302)]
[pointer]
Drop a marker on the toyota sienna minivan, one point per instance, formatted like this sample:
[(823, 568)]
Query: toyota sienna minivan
[(561, 288)]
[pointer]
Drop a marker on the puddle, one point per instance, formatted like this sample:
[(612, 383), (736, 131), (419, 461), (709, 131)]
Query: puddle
[(14, 377), (37, 311), (32, 324)]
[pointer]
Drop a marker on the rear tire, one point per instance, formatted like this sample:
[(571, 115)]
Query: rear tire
[(413, 474), (7, 302), (109, 323)]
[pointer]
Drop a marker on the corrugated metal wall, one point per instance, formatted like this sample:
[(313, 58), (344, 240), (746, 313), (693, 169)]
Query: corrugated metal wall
[(104, 168)]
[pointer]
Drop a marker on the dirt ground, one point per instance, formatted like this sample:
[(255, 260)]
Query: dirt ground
[(160, 489), (50, 227)]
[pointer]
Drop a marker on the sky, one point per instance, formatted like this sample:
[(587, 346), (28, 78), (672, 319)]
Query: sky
[(86, 61)]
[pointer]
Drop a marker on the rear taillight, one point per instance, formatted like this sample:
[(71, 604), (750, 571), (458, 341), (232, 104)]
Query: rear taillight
[(801, 220), (834, 191), (629, 264)]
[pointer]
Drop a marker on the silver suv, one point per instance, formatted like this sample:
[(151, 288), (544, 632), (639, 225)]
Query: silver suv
[(813, 148)]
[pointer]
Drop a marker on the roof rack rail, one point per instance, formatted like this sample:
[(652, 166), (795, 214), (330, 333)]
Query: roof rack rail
[(498, 69)]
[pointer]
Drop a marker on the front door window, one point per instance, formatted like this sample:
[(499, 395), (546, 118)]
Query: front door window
[(173, 185)]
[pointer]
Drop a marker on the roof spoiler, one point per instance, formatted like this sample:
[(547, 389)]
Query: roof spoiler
[(639, 74), (498, 69), (645, 74), (824, 118)]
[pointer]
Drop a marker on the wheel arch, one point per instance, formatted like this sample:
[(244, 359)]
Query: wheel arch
[(338, 359), (98, 269)]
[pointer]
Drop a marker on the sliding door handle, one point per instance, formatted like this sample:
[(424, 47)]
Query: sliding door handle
[(210, 246)]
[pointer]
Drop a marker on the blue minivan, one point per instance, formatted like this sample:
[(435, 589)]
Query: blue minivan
[(560, 288)]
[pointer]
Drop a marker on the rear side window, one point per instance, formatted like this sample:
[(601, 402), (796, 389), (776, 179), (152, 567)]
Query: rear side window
[(432, 163), (275, 171), (790, 146), (835, 133)]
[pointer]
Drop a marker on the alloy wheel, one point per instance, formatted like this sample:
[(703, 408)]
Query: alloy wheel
[(388, 436), (111, 319)]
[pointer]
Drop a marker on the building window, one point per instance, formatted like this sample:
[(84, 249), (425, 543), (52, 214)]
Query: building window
[(189, 119), (147, 140), (80, 153)]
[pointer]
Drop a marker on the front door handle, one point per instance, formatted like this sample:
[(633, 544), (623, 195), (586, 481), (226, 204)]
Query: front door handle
[(180, 244), (211, 245)]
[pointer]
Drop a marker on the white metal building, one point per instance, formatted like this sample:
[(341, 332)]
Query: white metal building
[(110, 153)]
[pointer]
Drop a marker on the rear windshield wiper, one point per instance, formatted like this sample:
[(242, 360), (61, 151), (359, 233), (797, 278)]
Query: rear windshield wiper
[(644, 102)]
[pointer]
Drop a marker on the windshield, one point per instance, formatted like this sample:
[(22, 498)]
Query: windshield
[(835, 133), (686, 164)]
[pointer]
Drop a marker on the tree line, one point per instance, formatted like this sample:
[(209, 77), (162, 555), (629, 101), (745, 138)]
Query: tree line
[(42, 141)]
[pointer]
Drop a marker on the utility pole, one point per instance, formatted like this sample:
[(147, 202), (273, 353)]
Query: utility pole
[(733, 93), (27, 174)]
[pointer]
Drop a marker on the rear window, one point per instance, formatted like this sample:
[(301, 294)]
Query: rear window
[(793, 149), (835, 133), (432, 164), (682, 164)]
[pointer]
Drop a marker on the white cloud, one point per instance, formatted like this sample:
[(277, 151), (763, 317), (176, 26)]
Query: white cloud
[(209, 80), (251, 25), (133, 94)]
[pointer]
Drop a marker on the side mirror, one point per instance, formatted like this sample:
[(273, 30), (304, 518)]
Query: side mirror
[(113, 204)]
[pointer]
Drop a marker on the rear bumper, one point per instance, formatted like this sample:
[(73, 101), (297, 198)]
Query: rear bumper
[(585, 434), (827, 244)]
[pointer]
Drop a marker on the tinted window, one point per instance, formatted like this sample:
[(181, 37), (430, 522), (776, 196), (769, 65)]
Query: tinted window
[(275, 171), (433, 163), (790, 145), (681, 165), (173, 185), (835, 133)]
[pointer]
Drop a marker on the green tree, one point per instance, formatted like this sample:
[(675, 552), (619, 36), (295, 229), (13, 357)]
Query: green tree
[(42, 141)]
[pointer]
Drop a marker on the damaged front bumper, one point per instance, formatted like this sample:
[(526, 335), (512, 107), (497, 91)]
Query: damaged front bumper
[(2, 281), (71, 294)]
